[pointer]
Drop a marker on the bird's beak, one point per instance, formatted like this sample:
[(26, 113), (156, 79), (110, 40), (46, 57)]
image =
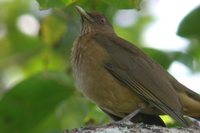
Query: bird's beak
[(84, 14)]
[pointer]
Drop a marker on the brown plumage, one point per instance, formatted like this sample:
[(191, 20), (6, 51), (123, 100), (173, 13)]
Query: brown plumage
[(120, 78)]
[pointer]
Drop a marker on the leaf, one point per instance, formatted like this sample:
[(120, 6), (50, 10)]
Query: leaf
[(68, 2), (190, 25), (31, 101), (166, 58), (161, 57), (45, 4), (194, 56), (128, 4), (51, 30), (117, 4)]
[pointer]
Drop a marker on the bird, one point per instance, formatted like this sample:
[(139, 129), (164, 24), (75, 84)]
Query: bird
[(122, 80)]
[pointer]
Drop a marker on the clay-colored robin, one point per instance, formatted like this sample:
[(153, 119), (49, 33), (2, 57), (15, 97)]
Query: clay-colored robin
[(122, 80)]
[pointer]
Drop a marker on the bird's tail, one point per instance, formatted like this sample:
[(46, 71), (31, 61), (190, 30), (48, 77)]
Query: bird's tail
[(191, 102)]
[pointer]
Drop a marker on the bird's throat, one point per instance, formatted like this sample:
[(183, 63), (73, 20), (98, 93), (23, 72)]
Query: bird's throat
[(86, 28)]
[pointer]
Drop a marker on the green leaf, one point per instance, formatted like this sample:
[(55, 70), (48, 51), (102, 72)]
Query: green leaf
[(117, 4), (45, 4), (51, 30), (128, 4), (166, 58), (190, 25), (68, 2), (194, 56), (32, 101), (161, 57)]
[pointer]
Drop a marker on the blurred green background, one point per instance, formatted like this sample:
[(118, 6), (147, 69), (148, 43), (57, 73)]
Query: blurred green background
[(37, 92)]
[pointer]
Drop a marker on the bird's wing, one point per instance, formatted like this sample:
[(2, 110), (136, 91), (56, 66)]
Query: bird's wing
[(141, 74)]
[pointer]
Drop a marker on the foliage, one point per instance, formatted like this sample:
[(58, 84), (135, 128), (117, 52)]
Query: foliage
[(189, 27), (44, 99)]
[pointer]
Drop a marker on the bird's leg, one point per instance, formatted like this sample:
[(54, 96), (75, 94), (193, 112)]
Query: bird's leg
[(131, 115)]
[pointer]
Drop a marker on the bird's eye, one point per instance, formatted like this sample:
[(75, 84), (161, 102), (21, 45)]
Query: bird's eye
[(102, 21)]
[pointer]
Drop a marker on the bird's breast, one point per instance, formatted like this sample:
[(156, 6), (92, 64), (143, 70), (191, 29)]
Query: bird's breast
[(97, 83)]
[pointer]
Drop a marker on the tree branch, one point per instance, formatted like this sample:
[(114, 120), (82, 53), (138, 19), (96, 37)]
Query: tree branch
[(133, 128)]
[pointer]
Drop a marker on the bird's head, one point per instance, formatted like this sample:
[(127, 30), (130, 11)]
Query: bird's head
[(94, 22)]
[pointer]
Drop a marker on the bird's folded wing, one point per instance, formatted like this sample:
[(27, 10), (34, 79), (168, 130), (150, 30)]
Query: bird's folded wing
[(142, 75)]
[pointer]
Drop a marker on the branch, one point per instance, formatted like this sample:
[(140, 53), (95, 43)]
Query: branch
[(133, 128)]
